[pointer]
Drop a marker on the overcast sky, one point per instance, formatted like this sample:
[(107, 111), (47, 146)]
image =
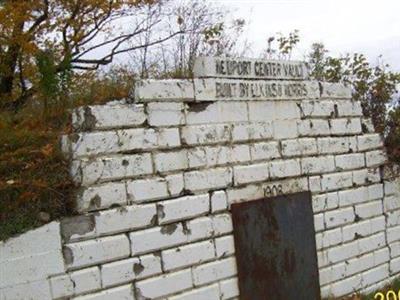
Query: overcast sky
[(367, 26)]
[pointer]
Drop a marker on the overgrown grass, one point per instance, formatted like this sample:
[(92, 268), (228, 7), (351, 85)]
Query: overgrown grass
[(35, 187)]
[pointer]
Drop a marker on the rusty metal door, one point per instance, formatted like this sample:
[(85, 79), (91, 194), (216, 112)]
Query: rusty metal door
[(275, 248)]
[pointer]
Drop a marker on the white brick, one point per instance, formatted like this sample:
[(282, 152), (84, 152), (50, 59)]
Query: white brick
[(325, 202), (214, 271), (216, 112), (219, 201), (374, 158), (375, 275), (165, 113), (222, 224), (164, 285), (101, 196), (394, 266), (336, 145), (335, 90), (119, 293), (350, 161), (359, 264), (30, 290), (369, 209), (353, 196), (170, 161), (314, 183), (316, 165), (349, 108), (96, 251), (273, 110), (240, 153), (246, 193), (391, 203), (252, 131), (336, 181), (313, 127), (357, 230), (209, 156), (369, 141), (360, 176), (393, 234), (345, 126), (123, 140), (208, 179), (114, 167), (346, 286), (147, 189), (204, 293), (124, 219), (175, 184), (285, 129), (205, 134), (26, 244), (316, 108), (371, 243), (331, 238), (188, 255), (267, 150), (157, 238), (61, 286), (391, 187), (108, 116), (285, 168), (332, 273), (250, 173), (339, 217), (375, 191), (183, 208), (297, 147), (127, 270), (381, 256), (167, 89), (224, 246), (319, 222), (394, 249), (374, 175), (229, 288), (86, 280), (200, 228)]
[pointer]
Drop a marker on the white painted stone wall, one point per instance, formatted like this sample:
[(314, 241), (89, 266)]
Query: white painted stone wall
[(157, 178)]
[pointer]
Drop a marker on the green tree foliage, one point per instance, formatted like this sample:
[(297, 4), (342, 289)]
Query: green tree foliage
[(374, 85)]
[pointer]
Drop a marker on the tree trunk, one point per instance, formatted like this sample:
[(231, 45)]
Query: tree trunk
[(10, 59)]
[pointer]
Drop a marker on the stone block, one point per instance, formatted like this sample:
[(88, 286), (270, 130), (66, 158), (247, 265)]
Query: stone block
[(170, 161), (208, 292), (375, 158), (335, 90), (369, 142), (284, 168), (224, 246), (92, 252), (165, 90), (350, 161), (122, 292), (229, 288), (127, 270), (219, 201), (188, 255), (264, 150), (125, 219), (165, 113), (349, 108), (299, 147), (216, 112), (273, 110), (250, 173), (314, 127), (317, 165), (345, 126), (183, 208), (164, 285), (205, 134), (87, 118), (208, 179), (339, 217), (214, 271), (252, 131)]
